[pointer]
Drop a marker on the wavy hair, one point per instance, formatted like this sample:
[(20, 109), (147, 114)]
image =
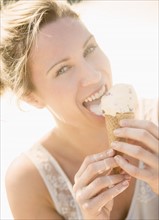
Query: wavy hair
[(20, 23)]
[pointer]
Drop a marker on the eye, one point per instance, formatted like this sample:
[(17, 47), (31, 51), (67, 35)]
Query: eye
[(90, 49), (62, 70)]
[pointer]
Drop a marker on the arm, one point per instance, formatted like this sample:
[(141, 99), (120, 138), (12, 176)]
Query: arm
[(27, 195)]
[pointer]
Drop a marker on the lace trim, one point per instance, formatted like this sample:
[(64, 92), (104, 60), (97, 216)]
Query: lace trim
[(143, 193), (149, 108), (56, 183)]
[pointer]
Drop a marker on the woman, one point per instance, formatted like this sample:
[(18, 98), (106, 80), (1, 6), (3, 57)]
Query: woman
[(49, 59)]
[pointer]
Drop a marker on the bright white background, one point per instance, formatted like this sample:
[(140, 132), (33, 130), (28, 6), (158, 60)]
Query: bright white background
[(128, 32)]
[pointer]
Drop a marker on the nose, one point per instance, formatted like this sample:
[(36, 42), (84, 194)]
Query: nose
[(90, 75)]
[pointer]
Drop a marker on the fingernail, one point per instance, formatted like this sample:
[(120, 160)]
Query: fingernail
[(122, 186), (127, 177), (125, 183), (114, 144), (85, 205), (110, 152), (78, 194), (99, 210), (111, 186), (117, 132), (117, 158), (100, 171), (123, 122)]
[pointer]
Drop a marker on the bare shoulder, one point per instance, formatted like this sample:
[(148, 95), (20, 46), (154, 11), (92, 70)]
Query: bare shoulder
[(27, 195)]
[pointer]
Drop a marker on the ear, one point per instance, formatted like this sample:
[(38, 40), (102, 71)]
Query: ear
[(34, 100)]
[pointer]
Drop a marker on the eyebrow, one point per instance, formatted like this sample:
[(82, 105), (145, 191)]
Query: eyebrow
[(66, 59), (90, 37)]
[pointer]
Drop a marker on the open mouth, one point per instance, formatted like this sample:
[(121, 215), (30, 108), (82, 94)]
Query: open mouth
[(92, 102)]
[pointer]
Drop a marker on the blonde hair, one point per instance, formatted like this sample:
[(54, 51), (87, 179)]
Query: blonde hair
[(21, 22)]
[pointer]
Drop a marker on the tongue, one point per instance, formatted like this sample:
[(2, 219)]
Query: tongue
[(94, 106), (95, 109)]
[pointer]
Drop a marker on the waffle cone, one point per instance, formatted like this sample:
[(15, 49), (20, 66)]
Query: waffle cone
[(112, 123)]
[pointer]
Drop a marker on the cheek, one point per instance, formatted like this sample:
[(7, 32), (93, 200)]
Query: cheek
[(62, 100), (61, 95), (63, 107)]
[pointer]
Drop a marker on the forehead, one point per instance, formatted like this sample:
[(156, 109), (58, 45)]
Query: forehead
[(57, 39), (60, 34), (61, 29)]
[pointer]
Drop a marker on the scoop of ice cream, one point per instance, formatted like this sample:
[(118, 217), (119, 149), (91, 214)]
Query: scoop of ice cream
[(121, 98)]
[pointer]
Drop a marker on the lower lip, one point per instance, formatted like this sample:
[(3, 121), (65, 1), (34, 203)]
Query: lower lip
[(98, 116), (101, 117)]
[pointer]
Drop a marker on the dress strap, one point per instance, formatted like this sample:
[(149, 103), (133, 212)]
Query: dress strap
[(149, 110), (56, 181)]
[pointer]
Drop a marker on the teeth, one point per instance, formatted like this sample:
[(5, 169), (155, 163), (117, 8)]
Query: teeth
[(95, 96)]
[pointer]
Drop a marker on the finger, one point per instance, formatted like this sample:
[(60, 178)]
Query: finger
[(93, 158), (102, 199), (132, 170), (140, 135), (93, 170), (136, 152), (142, 124), (98, 185)]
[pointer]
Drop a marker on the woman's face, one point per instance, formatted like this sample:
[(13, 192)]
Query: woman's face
[(69, 70)]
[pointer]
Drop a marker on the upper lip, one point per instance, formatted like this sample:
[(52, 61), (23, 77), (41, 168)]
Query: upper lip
[(96, 91)]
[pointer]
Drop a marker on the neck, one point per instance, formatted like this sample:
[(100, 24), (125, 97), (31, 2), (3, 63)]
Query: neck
[(82, 141)]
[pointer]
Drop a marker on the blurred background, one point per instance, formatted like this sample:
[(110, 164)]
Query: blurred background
[(128, 33)]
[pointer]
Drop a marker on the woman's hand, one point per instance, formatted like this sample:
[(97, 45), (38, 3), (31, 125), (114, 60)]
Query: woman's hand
[(145, 148), (95, 187)]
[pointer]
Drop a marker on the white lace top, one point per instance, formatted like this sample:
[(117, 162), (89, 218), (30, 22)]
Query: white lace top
[(144, 203)]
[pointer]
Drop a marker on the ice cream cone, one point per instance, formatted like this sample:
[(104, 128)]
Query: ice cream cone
[(112, 123), (120, 102)]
